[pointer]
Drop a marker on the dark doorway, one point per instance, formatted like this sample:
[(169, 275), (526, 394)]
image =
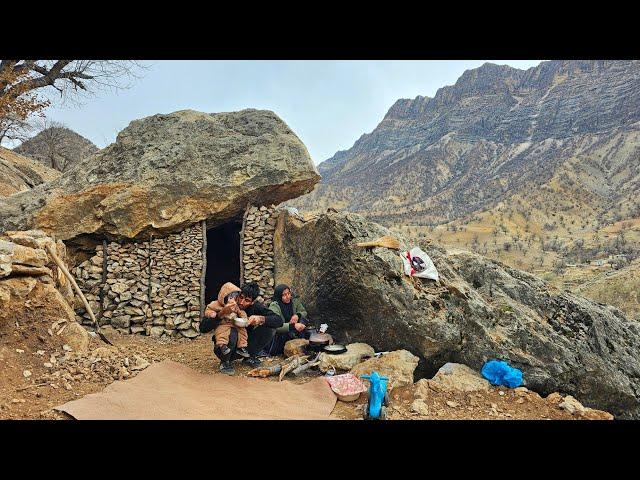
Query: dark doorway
[(223, 258)]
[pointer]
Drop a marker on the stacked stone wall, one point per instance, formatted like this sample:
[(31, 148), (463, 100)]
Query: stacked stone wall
[(257, 248), (154, 287), (150, 288), (176, 269)]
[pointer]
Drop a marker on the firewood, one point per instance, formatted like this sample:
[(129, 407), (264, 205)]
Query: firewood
[(265, 371), (305, 367), (291, 365)]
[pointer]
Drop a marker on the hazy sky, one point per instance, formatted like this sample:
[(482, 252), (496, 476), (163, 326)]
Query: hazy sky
[(328, 104)]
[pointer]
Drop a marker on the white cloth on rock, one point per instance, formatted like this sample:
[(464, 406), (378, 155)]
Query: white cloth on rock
[(418, 264)]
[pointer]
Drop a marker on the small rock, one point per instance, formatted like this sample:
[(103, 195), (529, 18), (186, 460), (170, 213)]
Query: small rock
[(521, 391), (419, 406), (501, 393), (572, 405), (66, 348), (19, 350), (554, 397), (458, 377), (48, 364), (140, 363), (591, 414), (17, 400), (452, 404), (26, 374), (520, 400), (40, 352)]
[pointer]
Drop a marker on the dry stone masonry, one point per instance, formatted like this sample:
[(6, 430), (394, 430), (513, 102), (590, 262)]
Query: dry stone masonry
[(152, 287), (176, 269), (257, 248)]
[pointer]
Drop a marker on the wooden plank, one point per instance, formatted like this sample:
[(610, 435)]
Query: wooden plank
[(244, 221), (149, 275), (105, 246), (203, 273)]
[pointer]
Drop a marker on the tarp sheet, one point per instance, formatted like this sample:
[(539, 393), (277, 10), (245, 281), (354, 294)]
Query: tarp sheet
[(171, 390)]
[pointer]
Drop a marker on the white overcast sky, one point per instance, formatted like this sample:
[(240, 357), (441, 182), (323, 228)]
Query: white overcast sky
[(328, 104)]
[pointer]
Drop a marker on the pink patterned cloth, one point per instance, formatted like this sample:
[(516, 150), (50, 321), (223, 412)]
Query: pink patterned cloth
[(346, 384)]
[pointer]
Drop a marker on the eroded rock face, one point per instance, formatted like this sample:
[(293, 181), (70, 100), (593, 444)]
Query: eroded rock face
[(480, 310), (166, 172)]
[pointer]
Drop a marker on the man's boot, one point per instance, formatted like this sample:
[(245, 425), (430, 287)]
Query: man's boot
[(252, 362), (243, 352), (227, 368)]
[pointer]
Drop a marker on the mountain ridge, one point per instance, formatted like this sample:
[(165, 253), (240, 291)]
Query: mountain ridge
[(543, 161)]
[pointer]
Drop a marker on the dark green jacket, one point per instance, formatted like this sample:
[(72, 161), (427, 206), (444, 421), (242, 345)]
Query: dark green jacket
[(298, 309)]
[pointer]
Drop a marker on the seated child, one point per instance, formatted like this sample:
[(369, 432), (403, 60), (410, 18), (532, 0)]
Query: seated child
[(227, 314)]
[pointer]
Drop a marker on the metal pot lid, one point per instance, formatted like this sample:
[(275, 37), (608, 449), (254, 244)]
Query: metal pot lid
[(319, 338)]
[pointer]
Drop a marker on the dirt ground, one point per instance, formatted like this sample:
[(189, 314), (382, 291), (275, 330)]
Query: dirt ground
[(58, 376)]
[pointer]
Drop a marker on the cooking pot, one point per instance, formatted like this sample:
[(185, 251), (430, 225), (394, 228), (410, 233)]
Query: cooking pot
[(317, 341)]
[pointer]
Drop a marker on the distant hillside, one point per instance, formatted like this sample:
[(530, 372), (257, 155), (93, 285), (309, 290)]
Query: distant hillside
[(57, 147), (18, 173), (620, 288)]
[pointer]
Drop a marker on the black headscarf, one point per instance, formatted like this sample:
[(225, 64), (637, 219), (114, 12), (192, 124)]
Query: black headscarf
[(285, 308)]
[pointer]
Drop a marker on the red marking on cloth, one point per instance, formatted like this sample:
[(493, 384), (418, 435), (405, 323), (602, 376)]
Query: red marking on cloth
[(413, 270)]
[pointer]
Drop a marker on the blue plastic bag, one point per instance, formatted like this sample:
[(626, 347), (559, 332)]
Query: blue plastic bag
[(501, 373)]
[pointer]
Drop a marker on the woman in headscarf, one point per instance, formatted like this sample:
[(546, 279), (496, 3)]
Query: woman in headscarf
[(293, 315)]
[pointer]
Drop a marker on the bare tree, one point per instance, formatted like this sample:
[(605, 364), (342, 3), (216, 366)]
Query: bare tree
[(53, 140), (23, 81), (13, 129)]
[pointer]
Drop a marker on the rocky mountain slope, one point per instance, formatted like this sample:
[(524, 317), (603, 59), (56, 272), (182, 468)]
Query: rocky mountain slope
[(20, 174), (496, 132), (558, 140), (57, 147)]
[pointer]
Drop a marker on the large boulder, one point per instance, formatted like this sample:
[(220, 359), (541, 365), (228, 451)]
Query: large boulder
[(295, 347), (169, 171), (479, 310), (355, 353)]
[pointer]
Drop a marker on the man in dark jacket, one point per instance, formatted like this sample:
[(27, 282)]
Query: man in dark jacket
[(262, 324)]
